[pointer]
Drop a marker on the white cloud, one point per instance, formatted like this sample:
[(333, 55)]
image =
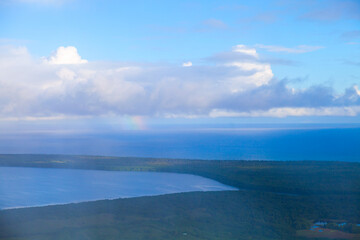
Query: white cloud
[(262, 74), (259, 73), (245, 50), (65, 73), (30, 89), (187, 64), (298, 49), (65, 55), (357, 90), (290, 111)]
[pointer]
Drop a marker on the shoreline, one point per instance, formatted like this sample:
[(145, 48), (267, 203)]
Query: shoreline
[(106, 199)]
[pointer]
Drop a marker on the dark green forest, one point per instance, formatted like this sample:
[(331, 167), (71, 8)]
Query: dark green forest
[(275, 200)]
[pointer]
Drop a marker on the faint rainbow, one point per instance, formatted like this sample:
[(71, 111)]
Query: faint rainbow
[(134, 123)]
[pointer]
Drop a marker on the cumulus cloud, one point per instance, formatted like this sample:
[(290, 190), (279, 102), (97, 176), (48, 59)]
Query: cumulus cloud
[(65, 55), (262, 74), (298, 49), (187, 64), (357, 90), (245, 50), (238, 83)]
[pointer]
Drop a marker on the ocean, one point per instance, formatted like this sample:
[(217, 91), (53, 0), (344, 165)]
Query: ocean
[(280, 144)]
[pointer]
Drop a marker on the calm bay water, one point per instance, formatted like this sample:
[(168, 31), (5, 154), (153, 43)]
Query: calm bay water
[(335, 144), (24, 187)]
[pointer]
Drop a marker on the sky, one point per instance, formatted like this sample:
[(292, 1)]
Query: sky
[(201, 61)]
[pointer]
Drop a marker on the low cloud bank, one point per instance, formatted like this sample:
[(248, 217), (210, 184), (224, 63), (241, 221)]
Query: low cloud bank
[(234, 83)]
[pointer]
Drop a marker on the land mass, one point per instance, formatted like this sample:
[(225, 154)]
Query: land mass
[(276, 200)]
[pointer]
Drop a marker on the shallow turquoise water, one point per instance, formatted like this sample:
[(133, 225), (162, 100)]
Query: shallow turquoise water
[(25, 187)]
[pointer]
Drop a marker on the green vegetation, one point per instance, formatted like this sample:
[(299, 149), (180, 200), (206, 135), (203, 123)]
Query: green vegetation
[(277, 200), (293, 177)]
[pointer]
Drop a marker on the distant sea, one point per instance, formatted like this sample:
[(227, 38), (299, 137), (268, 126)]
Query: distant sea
[(335, 144)]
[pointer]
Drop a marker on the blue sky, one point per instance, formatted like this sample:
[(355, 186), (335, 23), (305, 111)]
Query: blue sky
[(72, 59)]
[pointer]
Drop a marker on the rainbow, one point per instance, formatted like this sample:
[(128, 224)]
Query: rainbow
[(134, 123)]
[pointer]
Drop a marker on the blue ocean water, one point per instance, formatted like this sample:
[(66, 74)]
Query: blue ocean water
[(25, 187), (335, 144)]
